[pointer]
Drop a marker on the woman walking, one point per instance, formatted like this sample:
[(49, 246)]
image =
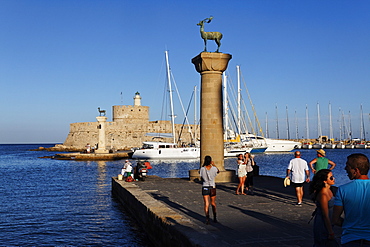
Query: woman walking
[(323, 197), (249, 162), (208, 172), (242, 174)]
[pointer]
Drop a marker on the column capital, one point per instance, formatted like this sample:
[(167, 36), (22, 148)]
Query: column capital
[(101, 119), (211, 62)]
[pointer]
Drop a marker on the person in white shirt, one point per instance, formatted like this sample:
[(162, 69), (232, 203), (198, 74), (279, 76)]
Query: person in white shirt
[(299, 172)]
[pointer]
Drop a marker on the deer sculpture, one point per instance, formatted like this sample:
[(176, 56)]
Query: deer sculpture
[(101, 111), (216, 36)]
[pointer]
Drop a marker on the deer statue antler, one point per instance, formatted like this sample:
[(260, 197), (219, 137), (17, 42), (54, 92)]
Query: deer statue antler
[(209, 19)]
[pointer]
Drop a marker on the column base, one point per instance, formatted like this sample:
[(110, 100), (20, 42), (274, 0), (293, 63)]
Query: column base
[(102, 151), (222, 177)]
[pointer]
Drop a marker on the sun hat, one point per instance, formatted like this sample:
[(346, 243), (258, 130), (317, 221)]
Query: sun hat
[(286, 181), (322, 152)]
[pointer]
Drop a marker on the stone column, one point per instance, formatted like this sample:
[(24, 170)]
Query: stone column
[(211, 65), (101, 128)]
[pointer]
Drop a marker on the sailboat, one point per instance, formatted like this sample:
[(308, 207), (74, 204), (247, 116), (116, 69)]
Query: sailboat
[(330, 145), (361, 144), (235, 141), (342, 131), (319, 131), (349, 145), (165, 150), (252, 143), (307, 145)]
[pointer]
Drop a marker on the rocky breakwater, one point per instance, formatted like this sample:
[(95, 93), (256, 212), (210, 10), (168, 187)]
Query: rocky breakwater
[(80, 154), (92, 156)]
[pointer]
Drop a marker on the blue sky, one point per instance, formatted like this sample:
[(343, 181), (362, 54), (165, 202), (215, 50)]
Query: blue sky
[(60, 60)]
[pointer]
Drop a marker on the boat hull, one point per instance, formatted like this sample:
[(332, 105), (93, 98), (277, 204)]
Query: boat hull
[(329, 146), (274, 145), (236, 151), (167, 153), (258, 150), (317, 146), (360, 146), (340, 146)]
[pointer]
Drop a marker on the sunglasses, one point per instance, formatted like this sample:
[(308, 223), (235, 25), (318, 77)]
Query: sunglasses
[(331, 178)]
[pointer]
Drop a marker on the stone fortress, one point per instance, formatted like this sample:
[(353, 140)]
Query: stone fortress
[(127, 130)]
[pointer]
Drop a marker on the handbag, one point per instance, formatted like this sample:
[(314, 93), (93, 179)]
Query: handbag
[(213, 192)]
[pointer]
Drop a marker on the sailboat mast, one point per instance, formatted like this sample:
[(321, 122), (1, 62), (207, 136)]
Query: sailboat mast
[(267, 126), (341, 125), (350, 126), (296, 125), (331, 135), (226, 110), (362, 129), (319, 131), (277, 122), (287, 124), (195, 114), (168, 70), (307, 127), (238, 97)]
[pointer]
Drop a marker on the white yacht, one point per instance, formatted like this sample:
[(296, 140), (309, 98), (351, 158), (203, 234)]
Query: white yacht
[(165, 150), (275, 145), (272, 145), (233, 149)]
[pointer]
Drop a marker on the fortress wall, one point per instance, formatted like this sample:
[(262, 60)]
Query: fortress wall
[(82, 133), (127, 130), (130, 114), (122, 135)]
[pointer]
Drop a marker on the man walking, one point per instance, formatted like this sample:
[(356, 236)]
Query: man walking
[(321, 162), (300, 173), (354, 200)]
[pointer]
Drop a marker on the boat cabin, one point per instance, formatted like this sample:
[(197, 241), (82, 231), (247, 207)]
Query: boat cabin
[(156, 145)]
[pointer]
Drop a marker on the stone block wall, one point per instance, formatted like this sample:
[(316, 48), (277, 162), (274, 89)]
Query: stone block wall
[(124, 135), (130, 114)]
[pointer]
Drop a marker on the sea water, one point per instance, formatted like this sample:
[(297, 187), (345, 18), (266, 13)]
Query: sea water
[(46, 202)]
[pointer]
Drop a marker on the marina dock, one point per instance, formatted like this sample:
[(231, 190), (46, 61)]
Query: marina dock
[(170, 210)]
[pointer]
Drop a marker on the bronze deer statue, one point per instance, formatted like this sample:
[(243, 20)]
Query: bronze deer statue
[(216, 36), (101, 111)]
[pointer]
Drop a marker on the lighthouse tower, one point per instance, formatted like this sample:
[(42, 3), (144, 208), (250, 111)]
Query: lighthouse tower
[(137, 99)]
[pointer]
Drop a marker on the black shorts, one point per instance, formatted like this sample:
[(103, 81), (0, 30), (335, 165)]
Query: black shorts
[(208, 191), (295, 185)]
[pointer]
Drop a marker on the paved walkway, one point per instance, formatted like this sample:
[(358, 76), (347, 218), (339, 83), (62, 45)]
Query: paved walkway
[(269, 218)]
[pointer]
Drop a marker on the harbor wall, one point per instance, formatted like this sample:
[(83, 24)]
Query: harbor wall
[(163, 225)]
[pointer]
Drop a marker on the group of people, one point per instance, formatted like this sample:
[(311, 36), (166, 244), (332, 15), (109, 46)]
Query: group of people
[(299, 172), (128, 171), (245, 173), (351, 199)]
